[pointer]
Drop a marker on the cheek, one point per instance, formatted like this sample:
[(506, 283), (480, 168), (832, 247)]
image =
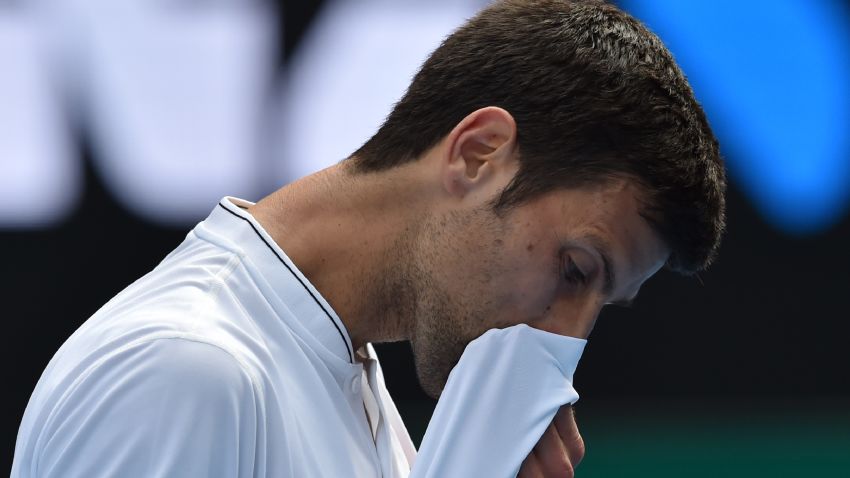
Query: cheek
[(526, 295)]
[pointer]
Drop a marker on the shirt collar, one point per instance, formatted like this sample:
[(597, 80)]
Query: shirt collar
[(231, 222)]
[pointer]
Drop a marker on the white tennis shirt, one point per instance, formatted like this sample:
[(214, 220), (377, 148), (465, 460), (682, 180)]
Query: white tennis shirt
[(224, 361)]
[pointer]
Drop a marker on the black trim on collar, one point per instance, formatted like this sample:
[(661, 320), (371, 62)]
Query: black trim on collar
[(341, 335)]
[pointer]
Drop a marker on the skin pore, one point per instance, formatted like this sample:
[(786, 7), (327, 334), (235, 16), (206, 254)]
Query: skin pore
[(416, 252)]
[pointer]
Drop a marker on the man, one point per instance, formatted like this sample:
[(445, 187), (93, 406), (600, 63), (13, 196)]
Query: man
[(548, 158)]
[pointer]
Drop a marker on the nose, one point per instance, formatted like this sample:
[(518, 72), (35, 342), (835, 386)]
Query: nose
[(572, 316)]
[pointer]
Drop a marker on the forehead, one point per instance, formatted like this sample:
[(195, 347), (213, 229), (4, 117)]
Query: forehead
[(615, 204)]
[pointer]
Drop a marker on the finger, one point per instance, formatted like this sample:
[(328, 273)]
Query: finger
[(552, 455), (530, 467), (565, 424)]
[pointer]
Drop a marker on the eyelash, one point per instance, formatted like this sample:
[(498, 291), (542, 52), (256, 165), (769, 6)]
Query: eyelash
[(573, 274)]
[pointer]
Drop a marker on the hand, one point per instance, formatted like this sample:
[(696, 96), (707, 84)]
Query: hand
[(559, 450)]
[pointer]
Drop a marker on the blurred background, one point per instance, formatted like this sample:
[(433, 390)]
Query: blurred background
[(122, 123)]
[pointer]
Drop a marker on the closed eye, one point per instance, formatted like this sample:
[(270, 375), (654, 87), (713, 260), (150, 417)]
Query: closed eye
[(572, 273)]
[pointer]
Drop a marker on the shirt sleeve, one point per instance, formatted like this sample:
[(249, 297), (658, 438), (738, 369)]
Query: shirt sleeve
[(498, 401), (162, 408)]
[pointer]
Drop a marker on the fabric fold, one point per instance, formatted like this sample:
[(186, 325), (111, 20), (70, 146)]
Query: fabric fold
[(498, 401)]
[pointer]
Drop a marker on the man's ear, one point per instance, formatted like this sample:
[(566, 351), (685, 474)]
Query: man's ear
[(478, 149)]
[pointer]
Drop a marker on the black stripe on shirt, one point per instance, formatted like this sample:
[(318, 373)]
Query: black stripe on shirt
[(341, 335)]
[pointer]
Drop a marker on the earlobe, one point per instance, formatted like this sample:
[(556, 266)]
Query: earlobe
[(478, 148)]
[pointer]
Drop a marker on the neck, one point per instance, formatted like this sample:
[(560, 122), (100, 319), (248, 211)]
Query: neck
[(349, 235)]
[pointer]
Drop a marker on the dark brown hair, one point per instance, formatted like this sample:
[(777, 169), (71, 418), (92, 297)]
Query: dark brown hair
[(595, 96)]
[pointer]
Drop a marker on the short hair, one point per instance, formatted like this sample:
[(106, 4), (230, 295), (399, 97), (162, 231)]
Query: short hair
[(595, 96)]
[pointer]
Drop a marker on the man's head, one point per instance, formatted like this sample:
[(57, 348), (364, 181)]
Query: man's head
[(569, 145)]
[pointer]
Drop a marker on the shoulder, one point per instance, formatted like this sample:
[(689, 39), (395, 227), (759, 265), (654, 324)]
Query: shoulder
[(185, 401), (159, 375), (186, 363)]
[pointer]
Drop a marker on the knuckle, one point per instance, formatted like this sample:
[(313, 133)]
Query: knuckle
[(561, 468), (560, 464), (579, 448), (568, 471)]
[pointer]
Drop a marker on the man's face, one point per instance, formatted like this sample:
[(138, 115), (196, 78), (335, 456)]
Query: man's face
[(551, 263)]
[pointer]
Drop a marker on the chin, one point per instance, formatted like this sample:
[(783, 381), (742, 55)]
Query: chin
[(431, 389), (428, 377), (431, 393), (437, 346), (432, 370)]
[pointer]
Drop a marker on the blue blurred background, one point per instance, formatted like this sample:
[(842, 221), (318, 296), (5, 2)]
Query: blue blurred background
[(122, 123)]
